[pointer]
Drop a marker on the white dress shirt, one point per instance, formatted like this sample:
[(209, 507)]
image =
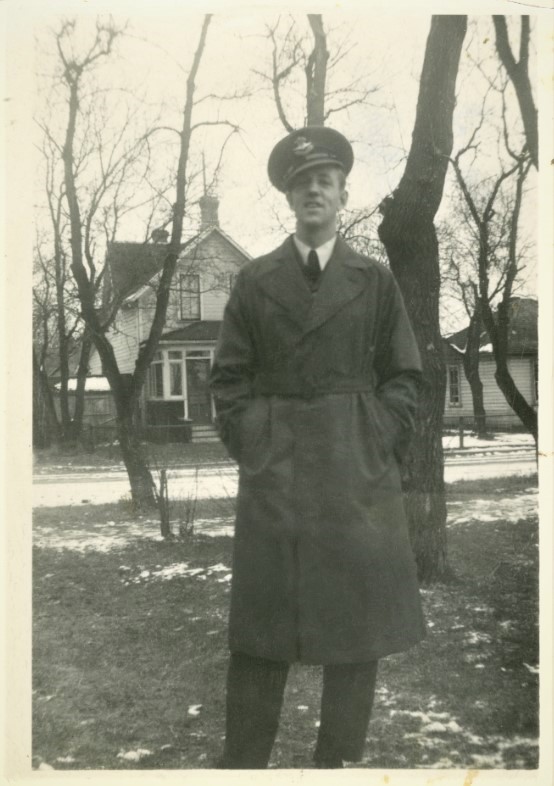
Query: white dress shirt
[(323, 252)]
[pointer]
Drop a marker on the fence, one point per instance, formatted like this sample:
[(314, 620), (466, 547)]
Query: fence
[(509, 422), (106, 434)]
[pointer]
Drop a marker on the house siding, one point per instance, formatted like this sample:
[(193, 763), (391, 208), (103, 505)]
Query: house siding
[(214, 261), (496, 405), (123, 338)]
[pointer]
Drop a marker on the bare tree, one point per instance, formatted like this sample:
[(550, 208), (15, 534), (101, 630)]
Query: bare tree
[(88, 276), (292, 53), (409, 236), (498, 263), (45, 421), (518, 71), (456, 234), (316, 73), (63, 332)]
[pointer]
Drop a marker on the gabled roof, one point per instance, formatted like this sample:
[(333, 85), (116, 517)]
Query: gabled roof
[(204, 330), (522, 333), (132, 266), (52, 359)]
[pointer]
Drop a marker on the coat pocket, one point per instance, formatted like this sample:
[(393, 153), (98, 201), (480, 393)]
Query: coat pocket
[(371, 450), (252, 429), (387, 424)]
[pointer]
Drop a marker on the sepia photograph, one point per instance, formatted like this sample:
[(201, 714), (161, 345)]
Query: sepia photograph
[(281, 425)]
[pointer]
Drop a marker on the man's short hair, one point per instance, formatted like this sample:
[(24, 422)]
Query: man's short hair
[(337, 169)]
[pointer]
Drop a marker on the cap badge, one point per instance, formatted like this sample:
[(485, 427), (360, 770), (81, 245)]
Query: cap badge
[(302, 146)]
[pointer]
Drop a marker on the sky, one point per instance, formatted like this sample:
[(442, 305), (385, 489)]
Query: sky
[(149, 70)]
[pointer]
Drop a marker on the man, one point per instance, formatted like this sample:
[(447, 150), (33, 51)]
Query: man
[(315, 378)]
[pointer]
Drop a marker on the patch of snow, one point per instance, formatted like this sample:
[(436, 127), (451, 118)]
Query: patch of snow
[(175, 571), (302, 708), (475, 637), (66, 759), (488, 761), (532, 669), (476, 657), (194, 709), (510, 509), (92, 385), (441, 764), (503, 440), (517, 742), (412, 714), (436, 727), (137, 755), (44, 766)]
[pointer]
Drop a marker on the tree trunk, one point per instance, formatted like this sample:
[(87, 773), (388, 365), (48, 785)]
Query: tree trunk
[(45, 421), (518, 71), (523, 410), (409, 236), (423, 470), (316, 73), (82, 371), (132, 453), (471, 370), (498, 331)]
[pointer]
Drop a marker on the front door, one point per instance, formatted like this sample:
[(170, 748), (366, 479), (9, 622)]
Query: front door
[(198, 392)]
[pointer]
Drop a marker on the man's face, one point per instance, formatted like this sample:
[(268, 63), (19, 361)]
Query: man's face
[(316, 196)]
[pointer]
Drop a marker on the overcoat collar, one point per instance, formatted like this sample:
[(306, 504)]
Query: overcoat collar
[(343, 280)]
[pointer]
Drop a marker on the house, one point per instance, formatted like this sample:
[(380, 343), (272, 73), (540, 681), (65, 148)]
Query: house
[(522, 363), (176, 390)]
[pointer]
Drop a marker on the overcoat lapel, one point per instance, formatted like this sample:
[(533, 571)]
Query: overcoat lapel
[(342, 281), (284, 282)]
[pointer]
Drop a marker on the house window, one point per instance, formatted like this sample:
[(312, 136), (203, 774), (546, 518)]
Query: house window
[(454, 392), (175, 373), (190, 296), (156, 377), (536, 379)]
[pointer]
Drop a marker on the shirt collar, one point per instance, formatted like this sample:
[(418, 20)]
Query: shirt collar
[(323, 252)]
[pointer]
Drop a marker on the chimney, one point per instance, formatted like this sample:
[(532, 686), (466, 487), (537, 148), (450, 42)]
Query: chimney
[(160, 236), (208, 211)]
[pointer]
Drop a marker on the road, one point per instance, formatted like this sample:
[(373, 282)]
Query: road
[(212, 482)]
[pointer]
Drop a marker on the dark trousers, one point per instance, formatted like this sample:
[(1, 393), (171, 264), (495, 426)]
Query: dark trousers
[(255, 688)]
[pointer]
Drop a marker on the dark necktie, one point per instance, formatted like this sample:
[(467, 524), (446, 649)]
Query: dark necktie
[(313, 270)]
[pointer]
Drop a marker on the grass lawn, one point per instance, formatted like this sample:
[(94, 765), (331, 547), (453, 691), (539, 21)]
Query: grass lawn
[(130, 650), (158, 456)]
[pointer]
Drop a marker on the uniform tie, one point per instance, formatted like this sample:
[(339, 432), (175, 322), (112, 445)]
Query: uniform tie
[(313, 270)]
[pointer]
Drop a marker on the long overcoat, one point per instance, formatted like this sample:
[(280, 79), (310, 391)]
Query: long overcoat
[(316, 395)]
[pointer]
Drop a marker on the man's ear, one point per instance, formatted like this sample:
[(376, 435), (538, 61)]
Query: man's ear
[(343, 198)]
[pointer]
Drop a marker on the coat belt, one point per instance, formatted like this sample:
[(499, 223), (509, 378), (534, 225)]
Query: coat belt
[(277, 385)]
